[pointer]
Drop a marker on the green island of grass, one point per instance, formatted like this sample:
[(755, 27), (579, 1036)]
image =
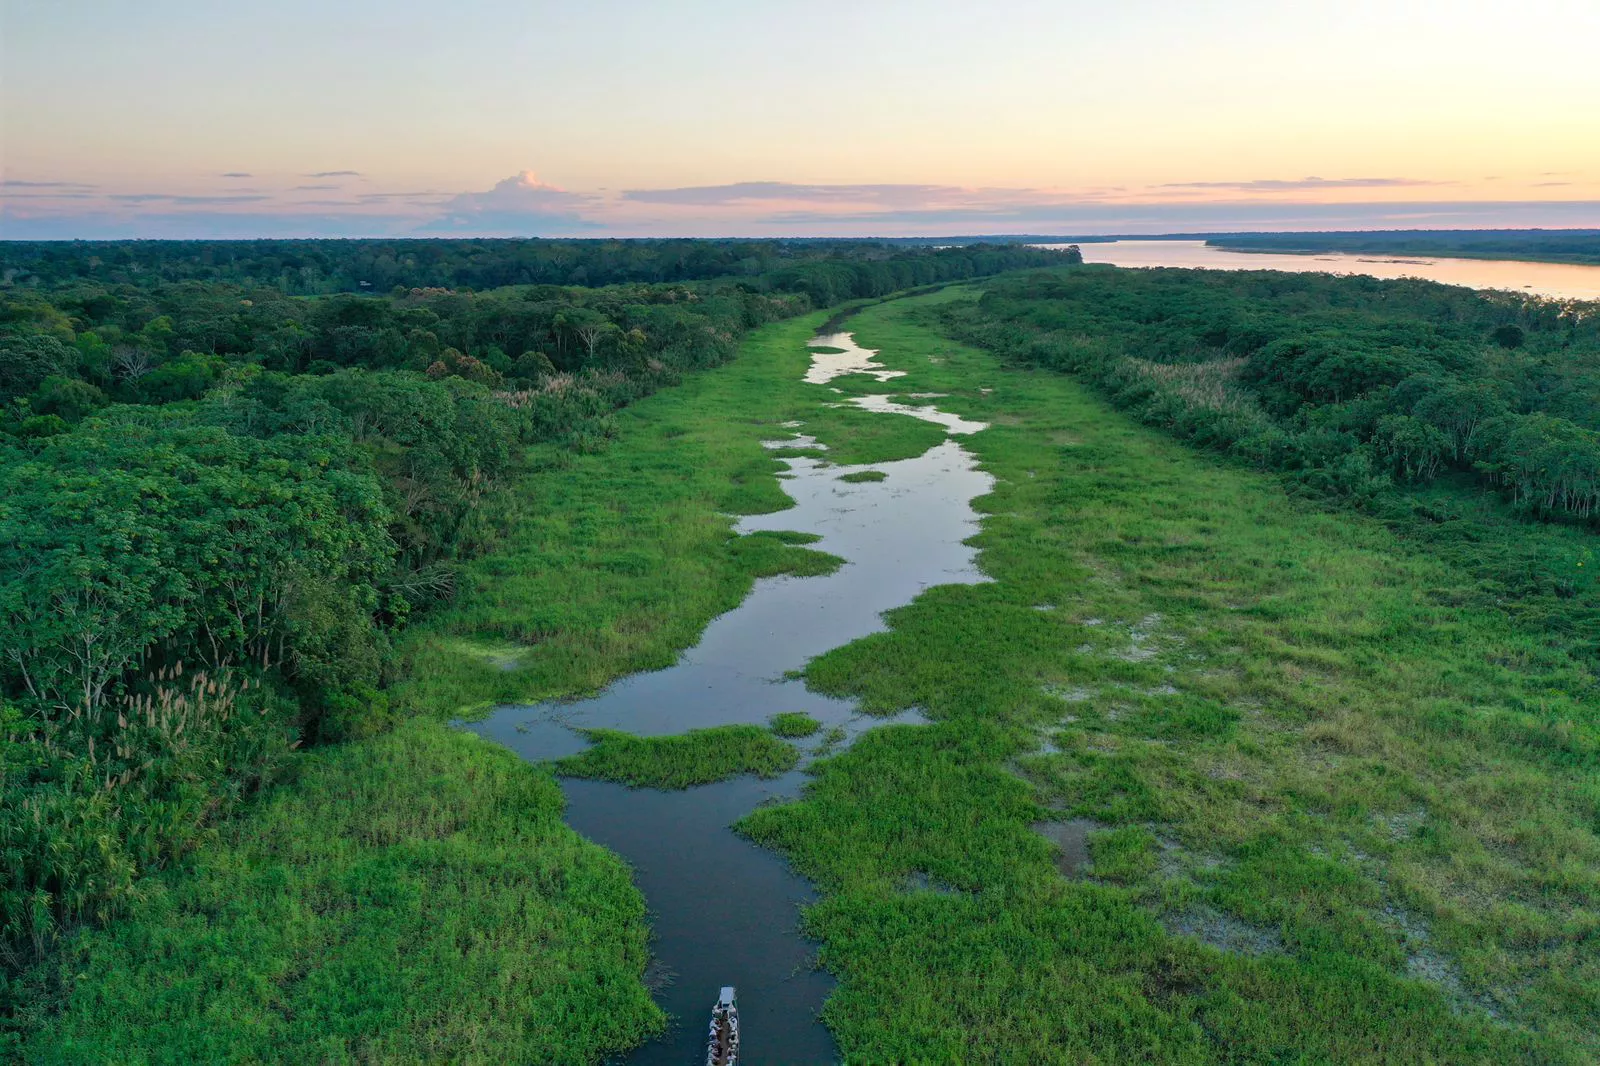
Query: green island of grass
[(794, 724), (773, 554), (697, 757)]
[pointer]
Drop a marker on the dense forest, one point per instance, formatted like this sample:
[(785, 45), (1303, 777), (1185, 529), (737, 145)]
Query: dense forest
[(1350, 383), (822, 268), (1457, 414), (221, 503), (1556, 246)]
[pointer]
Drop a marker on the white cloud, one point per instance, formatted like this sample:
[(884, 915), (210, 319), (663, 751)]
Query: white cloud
[(519, 206)]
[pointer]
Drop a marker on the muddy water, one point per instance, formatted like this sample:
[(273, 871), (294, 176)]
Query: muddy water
[(722, 910)]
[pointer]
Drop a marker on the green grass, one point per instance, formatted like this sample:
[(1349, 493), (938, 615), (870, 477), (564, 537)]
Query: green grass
[(772, 554), (794, 724), (1348, 815), (615, 561), (414, 898), (863, 475), (697, 757)]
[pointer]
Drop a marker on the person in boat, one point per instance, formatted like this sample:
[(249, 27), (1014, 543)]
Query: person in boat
[(722, 1047)]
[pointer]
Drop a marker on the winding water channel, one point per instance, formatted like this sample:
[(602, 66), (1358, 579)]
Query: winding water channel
[(724, 911)]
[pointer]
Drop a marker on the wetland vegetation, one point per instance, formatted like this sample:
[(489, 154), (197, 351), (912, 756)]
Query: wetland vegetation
[(360, 911), (697, 757), (795, 724), (1343, 794), (1319, 713)]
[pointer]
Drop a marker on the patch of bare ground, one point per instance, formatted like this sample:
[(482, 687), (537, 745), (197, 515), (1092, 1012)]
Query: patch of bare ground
[(1071, 838), (922, 881), (1222, 931)]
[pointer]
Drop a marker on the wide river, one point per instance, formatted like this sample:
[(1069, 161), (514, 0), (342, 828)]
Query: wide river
[(1560, 280)]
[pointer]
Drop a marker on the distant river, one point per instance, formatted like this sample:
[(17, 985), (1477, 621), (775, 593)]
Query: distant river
[(1545, 279)]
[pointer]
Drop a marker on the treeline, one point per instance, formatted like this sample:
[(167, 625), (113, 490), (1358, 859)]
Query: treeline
[(1349, 384), (834, 280), (1557, 246), (221, 503), (321, 267)]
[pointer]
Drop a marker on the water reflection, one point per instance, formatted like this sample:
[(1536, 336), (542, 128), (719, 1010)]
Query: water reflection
[(848, 358), (722, 912), (926, 412), (897, 536), (1561, 280)]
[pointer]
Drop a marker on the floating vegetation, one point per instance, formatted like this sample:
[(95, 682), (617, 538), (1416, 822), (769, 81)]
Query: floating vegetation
[(697, 757), (794, 724)]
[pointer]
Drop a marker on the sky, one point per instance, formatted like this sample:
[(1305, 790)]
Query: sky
[(183, 118)]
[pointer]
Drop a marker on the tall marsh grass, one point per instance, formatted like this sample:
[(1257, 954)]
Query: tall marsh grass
[(96, 798)]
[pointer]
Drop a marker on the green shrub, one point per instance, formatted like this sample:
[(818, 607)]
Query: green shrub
[(415, 898), (96, 799)]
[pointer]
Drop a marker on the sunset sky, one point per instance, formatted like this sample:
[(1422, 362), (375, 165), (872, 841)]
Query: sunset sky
[(181, 118)]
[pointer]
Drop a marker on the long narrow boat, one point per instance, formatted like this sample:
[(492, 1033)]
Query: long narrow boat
[(722, 1047)]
